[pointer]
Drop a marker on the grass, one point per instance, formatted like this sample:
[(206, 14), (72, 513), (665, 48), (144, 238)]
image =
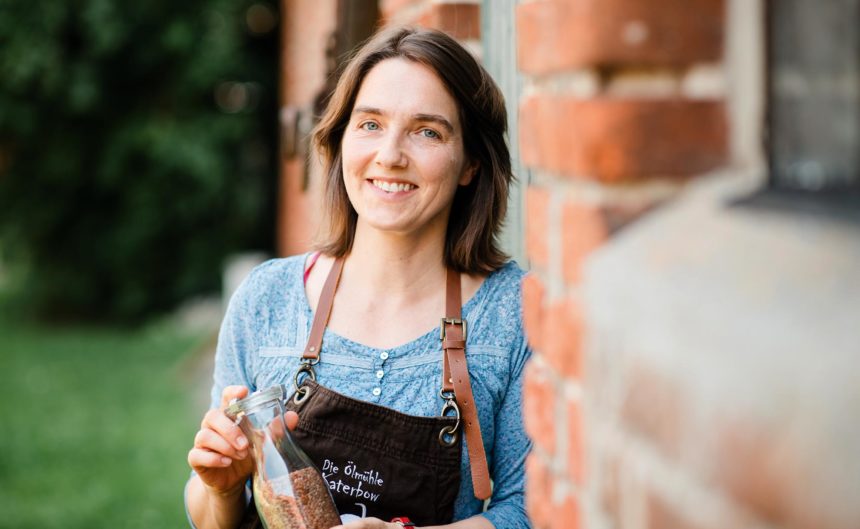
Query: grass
[(97, 423)]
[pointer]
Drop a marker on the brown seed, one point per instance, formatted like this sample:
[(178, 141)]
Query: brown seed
[(310, 508)]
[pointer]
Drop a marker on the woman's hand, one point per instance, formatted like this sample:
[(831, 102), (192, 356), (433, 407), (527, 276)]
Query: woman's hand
[(220, 452), (220, 458)]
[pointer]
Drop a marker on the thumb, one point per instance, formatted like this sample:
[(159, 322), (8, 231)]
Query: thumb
[(292, 420), (232, 392)]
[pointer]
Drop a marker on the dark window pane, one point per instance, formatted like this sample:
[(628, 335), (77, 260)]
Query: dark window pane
[(814, 93)]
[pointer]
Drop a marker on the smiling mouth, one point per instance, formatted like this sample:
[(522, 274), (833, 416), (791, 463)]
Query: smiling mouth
[(393, 187)]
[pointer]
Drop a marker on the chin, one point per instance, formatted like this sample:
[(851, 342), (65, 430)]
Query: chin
[(389, 225)]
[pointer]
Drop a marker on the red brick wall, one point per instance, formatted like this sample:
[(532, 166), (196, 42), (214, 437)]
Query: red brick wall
[(609, 128), (306, 26), (461, 20)]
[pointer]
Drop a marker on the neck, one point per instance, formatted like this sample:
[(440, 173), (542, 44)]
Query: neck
[(398, 264)]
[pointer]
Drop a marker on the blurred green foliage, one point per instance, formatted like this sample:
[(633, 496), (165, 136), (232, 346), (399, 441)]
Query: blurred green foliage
[(136, 149)]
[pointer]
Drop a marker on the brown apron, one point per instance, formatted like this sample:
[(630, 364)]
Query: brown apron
[(380, 462)]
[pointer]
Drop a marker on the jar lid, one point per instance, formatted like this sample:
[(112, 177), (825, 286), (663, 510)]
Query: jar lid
[(255, 400)]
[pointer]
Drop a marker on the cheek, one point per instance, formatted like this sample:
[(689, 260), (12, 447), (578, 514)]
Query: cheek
[(353, 154), (445, 166)]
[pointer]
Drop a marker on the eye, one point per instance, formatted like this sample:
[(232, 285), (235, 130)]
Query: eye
[(430, 133), (369, 125)]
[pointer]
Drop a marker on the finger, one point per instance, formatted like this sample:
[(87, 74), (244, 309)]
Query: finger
[(232, 392), (292, 420), (200, 458), (216, 421), (209, 440)]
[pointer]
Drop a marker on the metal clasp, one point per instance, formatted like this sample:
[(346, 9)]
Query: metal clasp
[(451, 321), (307, 368), (448, 434)]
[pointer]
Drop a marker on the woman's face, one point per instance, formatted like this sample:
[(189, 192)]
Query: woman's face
[(402, 150)]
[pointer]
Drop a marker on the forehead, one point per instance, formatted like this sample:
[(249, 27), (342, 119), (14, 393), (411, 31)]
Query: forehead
[(403, 87)]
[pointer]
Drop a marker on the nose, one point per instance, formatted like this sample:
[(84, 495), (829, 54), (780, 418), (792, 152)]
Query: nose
[(390, 153)]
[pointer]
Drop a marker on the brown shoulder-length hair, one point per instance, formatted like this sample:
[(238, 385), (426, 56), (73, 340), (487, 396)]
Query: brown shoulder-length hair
[(478, 210)]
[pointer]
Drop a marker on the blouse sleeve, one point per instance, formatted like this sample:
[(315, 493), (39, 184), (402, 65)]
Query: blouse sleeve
[(507, 505)]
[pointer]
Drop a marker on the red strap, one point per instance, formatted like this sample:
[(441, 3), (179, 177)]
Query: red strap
[(311, 262)]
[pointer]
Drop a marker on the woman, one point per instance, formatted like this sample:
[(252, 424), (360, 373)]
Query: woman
[(417, 183)]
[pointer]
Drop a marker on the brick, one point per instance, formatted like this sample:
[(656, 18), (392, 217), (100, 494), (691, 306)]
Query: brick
[(614, 140), (568, 515), (554, 36), (533, 312), (460, 20), (537, 226), (768, 469), (389, 8), (538, 492), (618, 216), (660, 515), (584, 230), (610, 486), (750, 471), (562, 338), (652, 408), (575, 442), (539, 408)]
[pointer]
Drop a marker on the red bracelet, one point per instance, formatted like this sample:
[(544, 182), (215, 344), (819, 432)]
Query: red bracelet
[(404, 521)]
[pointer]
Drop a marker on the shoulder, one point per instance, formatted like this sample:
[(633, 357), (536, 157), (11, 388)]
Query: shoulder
[(496, 317), (504, 286), (273, 278)]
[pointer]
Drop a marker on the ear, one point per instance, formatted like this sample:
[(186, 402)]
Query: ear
[(469, 173)]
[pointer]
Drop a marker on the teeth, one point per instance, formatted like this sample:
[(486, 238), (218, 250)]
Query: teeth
[(392, 187)]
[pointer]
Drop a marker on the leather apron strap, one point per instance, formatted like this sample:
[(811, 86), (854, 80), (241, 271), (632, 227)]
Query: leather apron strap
[(321, 315), (456, 377)]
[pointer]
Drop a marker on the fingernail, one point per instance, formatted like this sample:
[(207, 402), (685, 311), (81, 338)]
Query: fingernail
[(242, 442), (226, 460), (242, 454)]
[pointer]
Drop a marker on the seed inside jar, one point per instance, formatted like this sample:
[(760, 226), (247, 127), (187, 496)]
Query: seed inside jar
[(310, 507)]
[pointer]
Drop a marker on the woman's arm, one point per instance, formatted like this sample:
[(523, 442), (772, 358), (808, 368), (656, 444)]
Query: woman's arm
[(512, 445), (215, 495), (211, 510)]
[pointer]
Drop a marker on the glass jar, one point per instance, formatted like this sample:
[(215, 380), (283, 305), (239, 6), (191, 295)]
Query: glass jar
[(289, 491)]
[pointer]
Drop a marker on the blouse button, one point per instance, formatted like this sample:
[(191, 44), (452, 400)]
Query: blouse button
[(380, 374), (384, 355), (376, 391)]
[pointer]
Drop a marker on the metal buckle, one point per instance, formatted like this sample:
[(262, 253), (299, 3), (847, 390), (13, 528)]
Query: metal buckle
[(301, 391), (304, 368), (310, 361), (448, 434), (451, 321)]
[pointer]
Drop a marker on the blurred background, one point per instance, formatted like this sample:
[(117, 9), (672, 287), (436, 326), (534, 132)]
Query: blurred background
[(138, 150), (687, 204)]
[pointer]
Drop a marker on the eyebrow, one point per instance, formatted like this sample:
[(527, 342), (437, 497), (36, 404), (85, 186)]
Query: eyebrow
[(433, 118)]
